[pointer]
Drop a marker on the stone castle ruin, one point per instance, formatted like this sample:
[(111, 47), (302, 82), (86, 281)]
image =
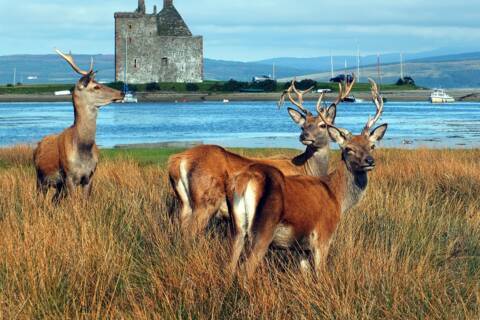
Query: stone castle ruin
[(157, 47)]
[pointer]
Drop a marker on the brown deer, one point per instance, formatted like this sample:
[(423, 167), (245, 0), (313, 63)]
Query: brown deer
[(271, 208), (199, 176), (70, 158)]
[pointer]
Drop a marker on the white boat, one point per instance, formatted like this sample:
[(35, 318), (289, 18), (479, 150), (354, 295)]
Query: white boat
[(63, 93), (440, 96), (352, 99), (129, 98)]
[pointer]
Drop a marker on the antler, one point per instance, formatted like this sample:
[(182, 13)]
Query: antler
[(72, 63), (320, 109), (299, 93), (343, 92), (378, 100)]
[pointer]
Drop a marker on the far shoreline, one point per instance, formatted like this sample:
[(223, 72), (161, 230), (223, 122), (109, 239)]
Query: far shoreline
[(460, 95)]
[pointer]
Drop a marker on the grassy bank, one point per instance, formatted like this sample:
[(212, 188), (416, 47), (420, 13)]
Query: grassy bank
[(205, 87), (410, 250)]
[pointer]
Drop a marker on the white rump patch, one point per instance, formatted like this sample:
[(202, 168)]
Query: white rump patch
[(182, 188), (244, 207)]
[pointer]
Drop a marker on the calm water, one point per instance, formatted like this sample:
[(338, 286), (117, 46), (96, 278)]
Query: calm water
[(247, 124)]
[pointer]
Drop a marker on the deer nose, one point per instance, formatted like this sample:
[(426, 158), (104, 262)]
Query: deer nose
[(370, 161)]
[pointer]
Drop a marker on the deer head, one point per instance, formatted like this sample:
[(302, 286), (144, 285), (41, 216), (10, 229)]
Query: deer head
[(314, 127), (357, 149), (88, 92)]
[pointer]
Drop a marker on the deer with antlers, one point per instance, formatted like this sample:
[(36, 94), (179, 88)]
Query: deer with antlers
[(271, 208), (70, 158), (199, 176)]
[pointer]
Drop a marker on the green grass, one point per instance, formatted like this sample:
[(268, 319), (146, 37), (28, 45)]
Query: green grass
[(206, 86), (159, 156)]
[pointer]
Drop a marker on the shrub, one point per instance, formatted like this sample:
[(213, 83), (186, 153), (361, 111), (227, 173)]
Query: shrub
[(152, 86), (118, 85), (267, 85), (233, 85), (192, 87), (405, 81)]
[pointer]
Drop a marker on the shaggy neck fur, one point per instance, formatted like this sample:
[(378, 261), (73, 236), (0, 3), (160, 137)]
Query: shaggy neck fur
[(314, 160), (85, 124), (348, 185)]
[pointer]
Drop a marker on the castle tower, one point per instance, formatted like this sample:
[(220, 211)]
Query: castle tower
[(141, 7), (156, 47)]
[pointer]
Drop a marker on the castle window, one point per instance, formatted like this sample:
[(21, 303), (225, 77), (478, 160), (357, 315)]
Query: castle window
[(164, 62), (135, 63), (129, 40), (130, 26)]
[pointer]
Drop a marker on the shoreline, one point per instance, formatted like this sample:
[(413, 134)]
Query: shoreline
[(460, 95)]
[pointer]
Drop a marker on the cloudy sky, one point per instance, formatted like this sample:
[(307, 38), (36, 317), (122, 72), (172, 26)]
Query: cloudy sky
[(249, 30)]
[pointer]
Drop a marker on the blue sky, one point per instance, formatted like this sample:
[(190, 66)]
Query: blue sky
[(247, 30)]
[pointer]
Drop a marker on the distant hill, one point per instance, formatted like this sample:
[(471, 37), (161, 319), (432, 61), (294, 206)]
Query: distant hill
[(51, 68), (443, 73), (448, 71), (323, 63)]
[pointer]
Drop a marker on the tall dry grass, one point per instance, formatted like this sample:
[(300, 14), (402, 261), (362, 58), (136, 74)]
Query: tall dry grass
[(410, 250)]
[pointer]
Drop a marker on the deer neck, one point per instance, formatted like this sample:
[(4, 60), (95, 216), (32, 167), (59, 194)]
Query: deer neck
[(349, 186), (85, 125), (314, 161)]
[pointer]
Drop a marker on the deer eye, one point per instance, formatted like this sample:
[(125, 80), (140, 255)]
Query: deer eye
[(349, 150), (96, 87), (323, 125), (372, 147)]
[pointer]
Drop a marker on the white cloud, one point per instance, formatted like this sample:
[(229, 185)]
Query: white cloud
[(248, 30)]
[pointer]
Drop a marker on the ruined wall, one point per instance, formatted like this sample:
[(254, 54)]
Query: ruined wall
[(155, 58)]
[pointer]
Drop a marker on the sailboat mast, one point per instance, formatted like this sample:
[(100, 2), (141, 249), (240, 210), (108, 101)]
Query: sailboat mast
[(401, 65), (379, 74), (331, 65), (358, 64)]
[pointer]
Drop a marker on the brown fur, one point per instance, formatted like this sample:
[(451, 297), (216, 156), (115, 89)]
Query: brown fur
[(210, 167), (305, 210), (70, 158)]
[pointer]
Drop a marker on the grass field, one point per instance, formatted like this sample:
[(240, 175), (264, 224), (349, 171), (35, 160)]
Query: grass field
[(410, 250)]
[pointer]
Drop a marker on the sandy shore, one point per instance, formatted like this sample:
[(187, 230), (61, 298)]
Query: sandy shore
[(411, 95)]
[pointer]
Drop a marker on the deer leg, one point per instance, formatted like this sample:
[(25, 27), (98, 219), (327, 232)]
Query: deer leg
[(87, 189), (70, 185), (60, 192), (201, 216), (42, 188), (237, 247), (320, 247), (185, 215), (262, 240)]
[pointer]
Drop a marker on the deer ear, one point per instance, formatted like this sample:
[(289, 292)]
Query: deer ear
[(296, 116), (378, 133), (85, 80), (332, 113), (338, 136)]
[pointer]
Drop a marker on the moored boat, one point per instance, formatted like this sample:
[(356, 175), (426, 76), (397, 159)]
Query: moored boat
[(440, 96)]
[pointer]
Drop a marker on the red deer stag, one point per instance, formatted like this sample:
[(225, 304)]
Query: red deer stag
[(199, 175), (70, 158), (273, 209)]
